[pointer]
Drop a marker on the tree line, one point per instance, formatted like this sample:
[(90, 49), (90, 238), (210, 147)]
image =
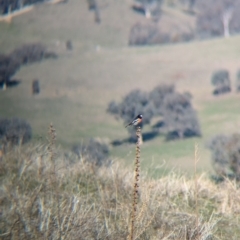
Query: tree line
[(8, 6), (213, 18)]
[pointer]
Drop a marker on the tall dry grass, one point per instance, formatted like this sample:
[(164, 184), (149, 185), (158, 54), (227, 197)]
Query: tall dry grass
[(54, 196)]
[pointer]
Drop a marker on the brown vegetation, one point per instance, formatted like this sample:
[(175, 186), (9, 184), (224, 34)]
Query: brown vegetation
[(46, 195)]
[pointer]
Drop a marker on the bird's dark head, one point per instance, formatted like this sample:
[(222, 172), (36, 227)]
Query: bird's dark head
[(140, 116)]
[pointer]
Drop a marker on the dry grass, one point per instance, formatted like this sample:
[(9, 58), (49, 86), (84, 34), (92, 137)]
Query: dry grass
[(49, 195)]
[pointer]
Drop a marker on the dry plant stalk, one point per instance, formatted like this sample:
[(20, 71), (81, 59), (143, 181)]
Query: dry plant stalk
[(196, 188), (51, 149), (52, 140), (135, 186)]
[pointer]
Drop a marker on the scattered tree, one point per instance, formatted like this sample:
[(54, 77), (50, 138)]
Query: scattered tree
[(218, 18), (221, 81), (179, 120)]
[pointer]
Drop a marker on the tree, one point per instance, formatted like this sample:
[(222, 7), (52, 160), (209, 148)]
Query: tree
[(93, 6), (220, 79), (134, 103), (218, 18), (157, 96), (150, 8), (180, 119), (8, 67)]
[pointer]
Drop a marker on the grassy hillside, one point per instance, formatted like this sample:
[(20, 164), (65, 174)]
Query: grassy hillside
[(77, 87)]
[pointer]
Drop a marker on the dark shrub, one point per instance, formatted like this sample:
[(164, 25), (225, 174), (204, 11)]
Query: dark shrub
[(69, 45), (92, 4), (15, 131), (226, 155), (220, 79), (8, 67), (35, 87), (95, 152)]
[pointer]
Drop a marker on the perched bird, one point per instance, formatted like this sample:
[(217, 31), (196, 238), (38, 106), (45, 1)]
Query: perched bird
[(136, 120)]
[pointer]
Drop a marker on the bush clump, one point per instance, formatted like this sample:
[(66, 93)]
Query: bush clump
[(221, 81), (226, 155), (15, 131)]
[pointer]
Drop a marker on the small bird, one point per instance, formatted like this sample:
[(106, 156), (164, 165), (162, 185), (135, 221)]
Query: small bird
[(136, 120)]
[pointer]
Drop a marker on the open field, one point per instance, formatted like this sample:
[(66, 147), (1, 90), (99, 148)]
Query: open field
[(77, 87)]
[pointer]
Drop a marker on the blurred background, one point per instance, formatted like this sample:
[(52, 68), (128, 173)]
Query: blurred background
[(91, 66)]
